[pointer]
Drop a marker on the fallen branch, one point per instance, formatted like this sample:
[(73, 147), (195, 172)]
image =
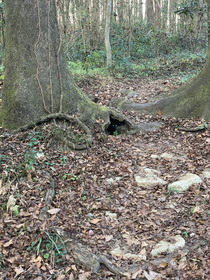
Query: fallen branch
[(193, 129), (84, 257)]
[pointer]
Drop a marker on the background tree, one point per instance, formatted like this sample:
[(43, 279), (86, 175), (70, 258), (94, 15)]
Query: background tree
[(190, 100), (107, 32)]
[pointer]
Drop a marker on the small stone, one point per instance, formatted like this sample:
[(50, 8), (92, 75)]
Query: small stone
[(149, 178), (155, 156), (111, 215), (206, 173), (185, 182), (168, 247)]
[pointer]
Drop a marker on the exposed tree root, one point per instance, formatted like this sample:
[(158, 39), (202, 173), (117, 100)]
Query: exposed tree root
[(61, 137), (86, 258), (192, 129)]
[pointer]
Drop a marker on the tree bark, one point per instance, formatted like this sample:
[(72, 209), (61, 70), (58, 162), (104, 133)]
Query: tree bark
[(37, 79), (107, 31)]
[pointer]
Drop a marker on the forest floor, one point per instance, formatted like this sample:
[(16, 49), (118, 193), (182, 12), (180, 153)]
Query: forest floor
[(83, 195)]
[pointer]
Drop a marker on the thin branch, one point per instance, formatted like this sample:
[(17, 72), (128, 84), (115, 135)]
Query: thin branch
[(74, 41)]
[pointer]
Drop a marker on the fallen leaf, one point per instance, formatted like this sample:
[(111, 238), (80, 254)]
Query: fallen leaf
[(38, 259), (144, 244), (143, 252), (127, 274), (182, 265), (67, 269), (11, 202), (197, 209), (151, 275), (53, 211), (61, 277), (10, 221), (8, 243), (11, 260), (137, 273), (132, 240), (95, 221), (163, 265), (84, 276), (71, 277), (18, 271), (108, 237)]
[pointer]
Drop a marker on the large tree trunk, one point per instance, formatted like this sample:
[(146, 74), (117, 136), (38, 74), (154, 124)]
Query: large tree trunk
[(190, 100), (37, 79)]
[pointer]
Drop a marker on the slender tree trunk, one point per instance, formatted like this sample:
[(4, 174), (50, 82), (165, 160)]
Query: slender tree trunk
[(95, 30), (120, 11), (150, 11), (157, 14), (107, 33), (164, 14)]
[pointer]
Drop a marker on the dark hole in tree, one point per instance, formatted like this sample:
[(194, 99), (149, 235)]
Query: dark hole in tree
[(114, 124)]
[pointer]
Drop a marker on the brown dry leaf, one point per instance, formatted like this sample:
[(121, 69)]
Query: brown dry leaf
[(71, 277), (11, 202), (10, 222), (84, 276), (182, 265), (163, 265), (68, 269), (74, 267), (61, 277), (95, 221), (38, 259), (144, 210), (8, 243), (53, 211), (143, 252), (197, 209), (132, 240), (18, 271), (151, 275), (137, 273), (127, 274), (19, 226), (144, 244), (11, 260), (108, 237)]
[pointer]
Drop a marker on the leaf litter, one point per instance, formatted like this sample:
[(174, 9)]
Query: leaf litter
[(100, 180)]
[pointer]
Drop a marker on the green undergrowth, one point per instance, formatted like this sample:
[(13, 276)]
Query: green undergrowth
[(183, 65)]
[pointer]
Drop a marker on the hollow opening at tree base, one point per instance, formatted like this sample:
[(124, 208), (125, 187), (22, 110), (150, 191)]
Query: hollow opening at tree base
[(114, 126)]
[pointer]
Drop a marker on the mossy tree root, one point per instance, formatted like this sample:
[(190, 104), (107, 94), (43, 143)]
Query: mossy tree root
[(61, 138)]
